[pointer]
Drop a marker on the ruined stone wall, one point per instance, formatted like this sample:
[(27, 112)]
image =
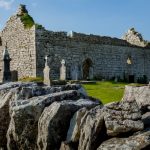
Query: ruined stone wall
[(21, 46), (109, 56), (135, 38)]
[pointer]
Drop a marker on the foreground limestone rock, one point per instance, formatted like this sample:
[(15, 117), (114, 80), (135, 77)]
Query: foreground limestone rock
[(4, 118), (111, 120), (123, 117), (54, 122), (23, 103), (138, 141), (7, 94), (21, 106), (38, 117), (146, 119), (92, 131), (140, 94), (73, 134), (23, 128), (68, 146)]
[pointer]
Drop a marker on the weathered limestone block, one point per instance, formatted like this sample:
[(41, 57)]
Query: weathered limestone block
[(68, 146), (23, 128), (7, 95), (77, 87), (140, 94), (34, 116), (146, 119), (138, 141), (92, 129), (4, 118), (123, 117), (5, 88), (73, 134), (54, 122), (19, 94), (34, 90)]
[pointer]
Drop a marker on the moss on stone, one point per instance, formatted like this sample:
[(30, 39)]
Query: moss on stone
[(38, 26), (27, 20)]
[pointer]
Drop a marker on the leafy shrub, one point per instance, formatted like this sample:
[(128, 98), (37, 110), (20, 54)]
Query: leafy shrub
[(38, 26), (142, 80)]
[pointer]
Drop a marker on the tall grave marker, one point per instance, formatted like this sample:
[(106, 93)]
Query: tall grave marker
[(6, 66), (63, 70), (46, 72)]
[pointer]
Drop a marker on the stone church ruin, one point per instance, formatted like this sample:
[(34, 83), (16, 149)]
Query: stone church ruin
[(86, 56)]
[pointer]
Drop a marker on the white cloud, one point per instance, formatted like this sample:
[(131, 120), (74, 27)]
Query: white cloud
[(6, 4)]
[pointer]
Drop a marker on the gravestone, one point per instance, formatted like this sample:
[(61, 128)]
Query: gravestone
[(91, 73), (116, 79), (63, 70), (74, 72), (6, 68), (46, 72), (14, 75)]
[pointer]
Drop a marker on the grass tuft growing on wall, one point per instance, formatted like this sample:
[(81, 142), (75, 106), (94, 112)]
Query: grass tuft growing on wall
[(27, 20)]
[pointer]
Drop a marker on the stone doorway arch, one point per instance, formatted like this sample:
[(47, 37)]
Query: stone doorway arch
[(87, 68)]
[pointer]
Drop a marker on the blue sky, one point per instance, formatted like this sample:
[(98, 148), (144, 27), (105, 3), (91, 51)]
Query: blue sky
[(101, 17)]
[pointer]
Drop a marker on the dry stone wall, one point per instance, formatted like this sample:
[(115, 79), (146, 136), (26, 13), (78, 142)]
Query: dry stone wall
[(109, 56), (21, 46)]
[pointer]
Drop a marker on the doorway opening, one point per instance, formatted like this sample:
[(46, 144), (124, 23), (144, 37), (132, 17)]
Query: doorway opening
[(131, 78), (87, 65)]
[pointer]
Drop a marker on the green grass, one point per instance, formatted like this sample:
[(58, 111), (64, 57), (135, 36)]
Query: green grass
[(106, 91), (27, 20), (31, 79)]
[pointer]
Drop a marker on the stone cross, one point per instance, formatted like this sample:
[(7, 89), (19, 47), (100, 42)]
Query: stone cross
[(63, 70), (6, 71), (46, 60), (46, 72)]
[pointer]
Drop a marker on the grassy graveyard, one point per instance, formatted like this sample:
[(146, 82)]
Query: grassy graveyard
[(106, 91)]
